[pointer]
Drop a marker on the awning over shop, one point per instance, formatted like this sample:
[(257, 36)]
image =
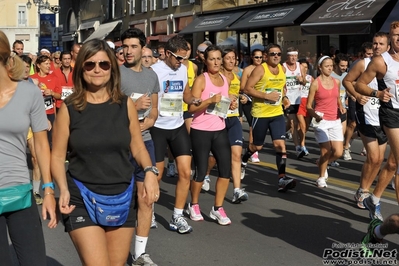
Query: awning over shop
[(214, 22), (270, 17), (104, 30), (342, 17), (68, 37), (394, 15)]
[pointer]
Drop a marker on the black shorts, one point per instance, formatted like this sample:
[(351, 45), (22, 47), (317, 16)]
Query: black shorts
[(351, 110), (373, 132), (293, 109), (260, 126), (177, 139), (389, 117), (138, 171), (79, 217), (187, 114), (342, 116)]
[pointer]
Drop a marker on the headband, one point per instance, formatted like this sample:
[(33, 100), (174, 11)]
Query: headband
[(322, 59), (292, 53)]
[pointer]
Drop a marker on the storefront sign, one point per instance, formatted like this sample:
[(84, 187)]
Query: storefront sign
[(212, 22), (271, 15), (345, 9)]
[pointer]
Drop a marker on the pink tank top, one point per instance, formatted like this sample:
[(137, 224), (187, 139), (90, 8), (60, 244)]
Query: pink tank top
[(208, 122), (327, 101)]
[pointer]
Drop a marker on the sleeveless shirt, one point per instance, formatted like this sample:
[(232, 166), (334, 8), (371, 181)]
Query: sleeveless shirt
[(99, 145), (292, 83), (234, 89), (268, 83), (210, 122), (390, 80), (190, 80), (326, 101)]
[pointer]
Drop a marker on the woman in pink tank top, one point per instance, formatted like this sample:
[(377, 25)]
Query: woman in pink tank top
[(208, 134), (324, 93)]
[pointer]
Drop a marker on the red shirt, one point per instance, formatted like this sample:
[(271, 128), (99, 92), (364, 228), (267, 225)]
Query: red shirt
[(66, 84), (48, 82)]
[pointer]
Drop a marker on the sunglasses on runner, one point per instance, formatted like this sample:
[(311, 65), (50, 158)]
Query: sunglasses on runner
[(90, 65), (274, 54), (258, 57), (178, 57)]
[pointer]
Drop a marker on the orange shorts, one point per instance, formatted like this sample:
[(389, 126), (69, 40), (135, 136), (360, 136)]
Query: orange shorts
[(302, 107)]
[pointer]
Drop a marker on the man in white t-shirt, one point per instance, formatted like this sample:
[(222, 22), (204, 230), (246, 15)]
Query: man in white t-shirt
[(169, 129)]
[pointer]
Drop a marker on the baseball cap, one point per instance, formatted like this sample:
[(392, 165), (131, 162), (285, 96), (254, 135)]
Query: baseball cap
[(155, 53)]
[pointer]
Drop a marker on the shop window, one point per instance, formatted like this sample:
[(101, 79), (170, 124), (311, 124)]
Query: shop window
[(175, 2)]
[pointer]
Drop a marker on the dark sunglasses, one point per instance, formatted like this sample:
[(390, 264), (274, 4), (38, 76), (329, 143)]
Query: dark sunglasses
[(274, 54), (258, 57), (178, 57), (90, 65)]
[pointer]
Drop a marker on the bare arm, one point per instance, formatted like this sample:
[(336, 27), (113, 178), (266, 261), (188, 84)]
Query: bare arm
[(43, 159), (244, 77), (375, 69), (153, 115), (140, 154), (339, 102), (309, 106), (350, 79), (197, 89), (58, 153)]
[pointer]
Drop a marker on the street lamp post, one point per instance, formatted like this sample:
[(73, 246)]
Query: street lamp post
[(42, 5)]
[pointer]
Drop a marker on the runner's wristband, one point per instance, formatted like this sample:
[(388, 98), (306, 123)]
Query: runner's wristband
[(50, 185)]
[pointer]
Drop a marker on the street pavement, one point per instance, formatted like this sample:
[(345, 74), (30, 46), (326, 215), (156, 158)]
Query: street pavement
[(271, 228)]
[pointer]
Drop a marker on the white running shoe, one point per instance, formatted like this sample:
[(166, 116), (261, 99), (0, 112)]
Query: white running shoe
[(220, 216), (347, 155), (255, 158), (243, 167), (206, 185), (239, 195), (194, 212), (321, 182)]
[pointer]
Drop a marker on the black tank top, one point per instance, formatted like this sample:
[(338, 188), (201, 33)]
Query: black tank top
[(99, 145)]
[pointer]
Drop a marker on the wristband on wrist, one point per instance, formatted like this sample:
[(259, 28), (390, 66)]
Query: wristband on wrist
[(50, 185)]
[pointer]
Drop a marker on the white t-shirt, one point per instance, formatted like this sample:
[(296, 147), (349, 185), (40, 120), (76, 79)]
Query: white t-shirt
[(292, 84), (171, 84)]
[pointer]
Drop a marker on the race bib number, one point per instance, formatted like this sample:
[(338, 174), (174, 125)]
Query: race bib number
[(374, 103), (48, 102), (141, 113), (273, 103), (66, 91), (171, 105), (221, 108)]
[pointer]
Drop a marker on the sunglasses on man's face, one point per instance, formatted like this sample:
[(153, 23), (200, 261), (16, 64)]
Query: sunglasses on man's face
[(274, 54), (90, 65), (178, 57)]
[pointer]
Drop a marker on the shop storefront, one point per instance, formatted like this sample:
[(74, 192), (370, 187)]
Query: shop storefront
[(253, 28), (106, 30), (345, 25)]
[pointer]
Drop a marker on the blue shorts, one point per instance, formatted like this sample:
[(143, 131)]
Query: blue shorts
[(138, 171), (234, 130), (260, 126)]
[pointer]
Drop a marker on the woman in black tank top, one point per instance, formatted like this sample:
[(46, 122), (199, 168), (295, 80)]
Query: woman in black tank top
[(99, 127)]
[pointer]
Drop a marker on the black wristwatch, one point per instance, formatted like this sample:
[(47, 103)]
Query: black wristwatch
[(374, 93), (152, 169)]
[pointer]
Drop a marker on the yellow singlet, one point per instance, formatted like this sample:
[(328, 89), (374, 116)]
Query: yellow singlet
[(234, 89), (269, 83), (190, 80)]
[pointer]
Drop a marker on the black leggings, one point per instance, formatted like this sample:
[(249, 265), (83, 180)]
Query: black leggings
[(26, 234), (246, 110), (202, 143)]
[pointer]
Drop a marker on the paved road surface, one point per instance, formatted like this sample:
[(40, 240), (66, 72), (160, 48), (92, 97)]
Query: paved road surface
[(271, 228)]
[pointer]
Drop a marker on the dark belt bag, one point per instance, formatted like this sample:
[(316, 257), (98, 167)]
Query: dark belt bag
[(15, 198), (107, 210)]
